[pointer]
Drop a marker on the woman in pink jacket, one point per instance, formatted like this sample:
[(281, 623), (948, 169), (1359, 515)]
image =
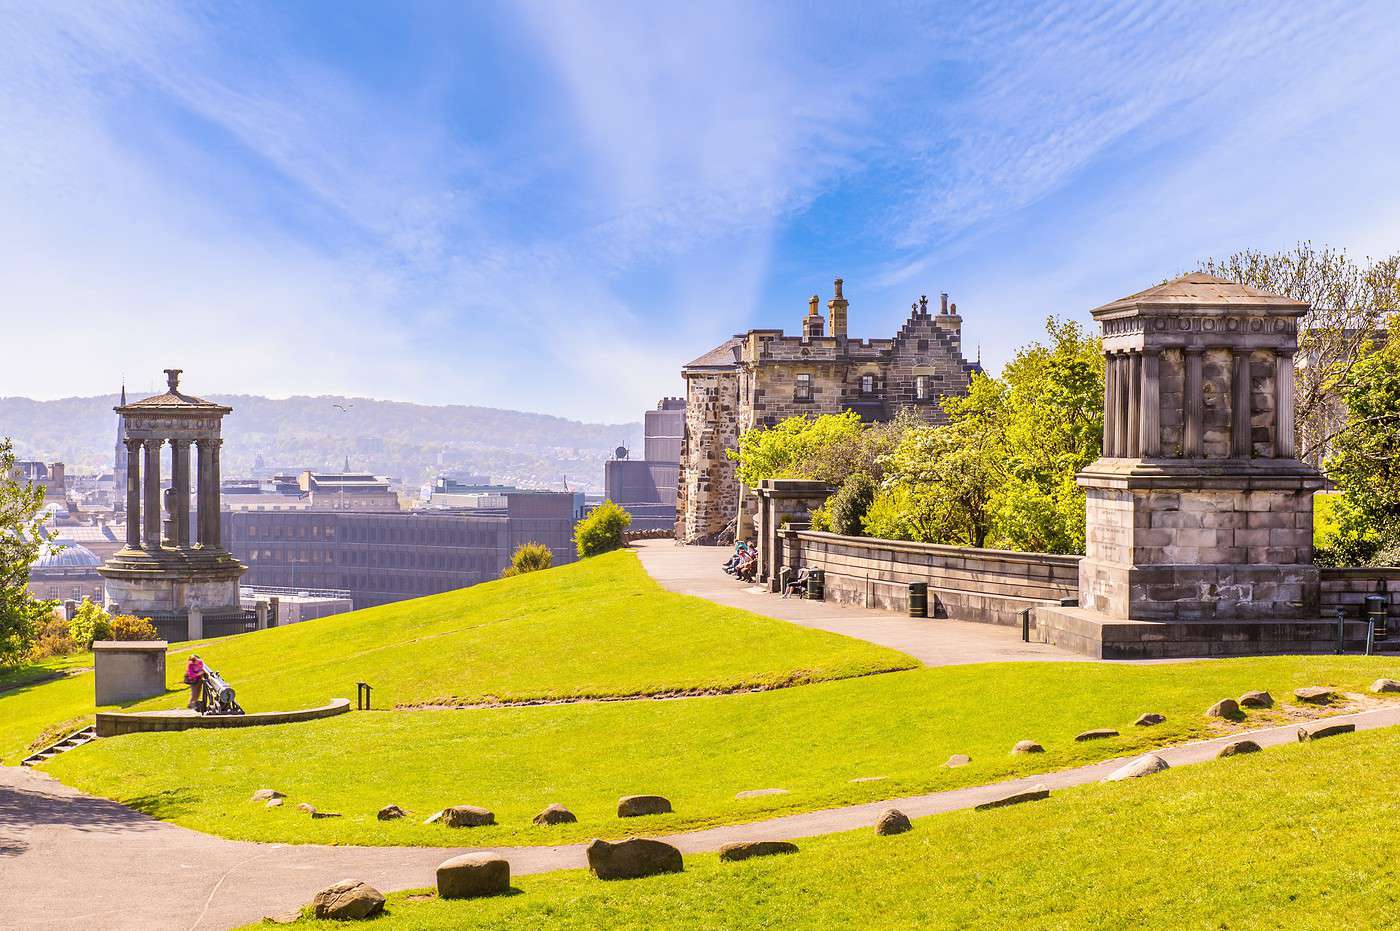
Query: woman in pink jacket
[(194, 678)]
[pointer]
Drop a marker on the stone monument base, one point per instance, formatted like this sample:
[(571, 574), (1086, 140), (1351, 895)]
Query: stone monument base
[(170, 585), (1093, 634)]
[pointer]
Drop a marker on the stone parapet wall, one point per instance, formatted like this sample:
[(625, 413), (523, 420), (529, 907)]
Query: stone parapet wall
[(990, 586), (1347, 588)]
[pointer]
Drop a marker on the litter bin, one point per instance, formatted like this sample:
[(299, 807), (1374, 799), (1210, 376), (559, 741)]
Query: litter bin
[(1375, 611), (816, 585), (918, 599)]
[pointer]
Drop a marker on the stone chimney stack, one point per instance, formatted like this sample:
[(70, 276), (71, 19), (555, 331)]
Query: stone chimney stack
[(836, 310), (943, 303), (813, 324)]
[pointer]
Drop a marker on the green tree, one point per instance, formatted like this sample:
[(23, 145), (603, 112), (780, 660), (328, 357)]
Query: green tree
[(820, 448), (22, 538), (601, 530), (848, 506), (1365, 463), (528, 557), (90, 622)]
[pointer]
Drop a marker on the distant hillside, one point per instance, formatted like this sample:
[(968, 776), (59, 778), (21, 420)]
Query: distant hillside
[(407, 441)]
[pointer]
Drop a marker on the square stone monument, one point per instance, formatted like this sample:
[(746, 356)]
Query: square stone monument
[(127, 670), (1199, 513)]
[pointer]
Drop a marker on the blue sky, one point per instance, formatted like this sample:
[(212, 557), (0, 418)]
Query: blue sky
[(552, 206)]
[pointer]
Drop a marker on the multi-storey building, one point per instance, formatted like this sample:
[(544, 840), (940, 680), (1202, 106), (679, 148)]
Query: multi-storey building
[(646, 487), (763, 376)]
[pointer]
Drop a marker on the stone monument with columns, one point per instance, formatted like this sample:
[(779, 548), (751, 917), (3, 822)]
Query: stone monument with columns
[(1199, 514), (179, 576)]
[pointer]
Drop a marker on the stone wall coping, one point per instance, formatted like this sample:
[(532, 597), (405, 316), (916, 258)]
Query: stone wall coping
[(130, 646), (113, 723), (936, 549), (1374, 573)]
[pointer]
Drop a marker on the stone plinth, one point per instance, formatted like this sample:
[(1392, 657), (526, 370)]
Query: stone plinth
[(128, 670), (782, 503)]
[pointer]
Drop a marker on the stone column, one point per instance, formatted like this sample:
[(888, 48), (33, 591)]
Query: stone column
[(151, 515), (1284, 447), (1240, 444), (133, 494), (209, 493), (1107, 404), (1120, 405), (1193, 407), (1150, 401), (180, 483), (202, 492), (1134, 405)]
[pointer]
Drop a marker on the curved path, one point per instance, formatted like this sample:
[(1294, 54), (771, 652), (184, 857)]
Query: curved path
[(68, 860)]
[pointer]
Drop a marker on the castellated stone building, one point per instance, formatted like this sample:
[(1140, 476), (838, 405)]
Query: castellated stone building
[(763, 376)]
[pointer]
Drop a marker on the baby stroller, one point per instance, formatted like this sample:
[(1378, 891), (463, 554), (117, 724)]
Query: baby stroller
[(217, 697)]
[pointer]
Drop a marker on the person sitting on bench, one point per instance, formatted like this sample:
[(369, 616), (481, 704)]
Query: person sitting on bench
[(798, 586), (747, 567)]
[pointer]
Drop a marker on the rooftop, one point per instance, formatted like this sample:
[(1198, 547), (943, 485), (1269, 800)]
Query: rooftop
[(1198, 289)]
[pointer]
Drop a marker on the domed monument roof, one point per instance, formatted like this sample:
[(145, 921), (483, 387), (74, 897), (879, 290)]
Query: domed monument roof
[(61, 555)]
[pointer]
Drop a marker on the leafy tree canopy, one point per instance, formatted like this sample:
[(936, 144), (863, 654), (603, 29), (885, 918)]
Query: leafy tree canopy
[(22, 538)]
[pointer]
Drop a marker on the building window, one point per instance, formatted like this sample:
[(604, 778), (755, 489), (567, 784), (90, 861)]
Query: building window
[(921, 387), (803, 391), (867, 384)]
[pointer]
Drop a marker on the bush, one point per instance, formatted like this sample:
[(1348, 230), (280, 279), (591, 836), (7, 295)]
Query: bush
[(54, 639), (601, 530), (131, 627), (529, 557), (90, 623), (849, 505)]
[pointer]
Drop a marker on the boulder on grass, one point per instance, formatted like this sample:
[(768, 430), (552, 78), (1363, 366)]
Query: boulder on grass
[(731, 853), (1027, 746), (348, 900), (1256, 700), (958, 759), (1322, 729), (1150, 719), (467, 816), (266, 795), (1033, 794), (391, 813), (473, 875), (1385, 685), (325, 814), (273, 803), (1226, 708), (893, 821), (1142, 766), (633, 859), (1236, 747), (1314, 695), (633, 806), (555, 814), (307, 807), (1097, 734)]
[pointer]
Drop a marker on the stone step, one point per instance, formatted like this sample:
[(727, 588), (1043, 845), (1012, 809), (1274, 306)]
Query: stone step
[(72, 741)]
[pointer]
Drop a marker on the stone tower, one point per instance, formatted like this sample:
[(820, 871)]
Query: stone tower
[(1199, 514), (182, 578)]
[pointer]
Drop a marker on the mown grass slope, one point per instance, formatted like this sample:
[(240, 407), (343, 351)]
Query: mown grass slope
[(698, 752), (1295, 837), (597, 628)]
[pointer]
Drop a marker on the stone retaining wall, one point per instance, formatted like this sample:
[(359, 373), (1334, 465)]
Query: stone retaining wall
[(991, 586), (1346, 588), (113, 723)]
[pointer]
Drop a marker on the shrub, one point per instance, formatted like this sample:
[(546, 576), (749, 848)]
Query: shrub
[(54, 639), (849, 505), (90, 623), (131, 627), (601, 530), (529, 557)]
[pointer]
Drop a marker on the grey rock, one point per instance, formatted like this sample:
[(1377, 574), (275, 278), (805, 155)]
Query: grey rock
[(633, 859), (1314, 695), (273, 803), (731, 853), (1236, 747), (266, 795), (434, 818), (1150, 719), (1256, 700), (1225, 708), (1033, 794), (1322, 729), (1098, 734), (958, 759), (467, 816), (390, 813), (1142, 766), (307, 807), (633, 806), (348, 900), (1385, 685), (555, 814), (317, 815), (760, 793), (473, 875), (893, 821), (1027, 746)]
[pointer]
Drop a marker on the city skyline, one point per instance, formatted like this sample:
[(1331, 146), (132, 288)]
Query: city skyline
[(551, 208)]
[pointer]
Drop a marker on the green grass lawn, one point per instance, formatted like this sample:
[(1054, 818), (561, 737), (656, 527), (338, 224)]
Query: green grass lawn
[(597, 628), (698, 752), (1301, 836)]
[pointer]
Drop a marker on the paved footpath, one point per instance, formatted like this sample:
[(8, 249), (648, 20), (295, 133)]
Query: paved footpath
[(68, 860), (695, 570)]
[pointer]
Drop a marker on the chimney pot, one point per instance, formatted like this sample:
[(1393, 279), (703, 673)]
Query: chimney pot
[(943, 302)]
